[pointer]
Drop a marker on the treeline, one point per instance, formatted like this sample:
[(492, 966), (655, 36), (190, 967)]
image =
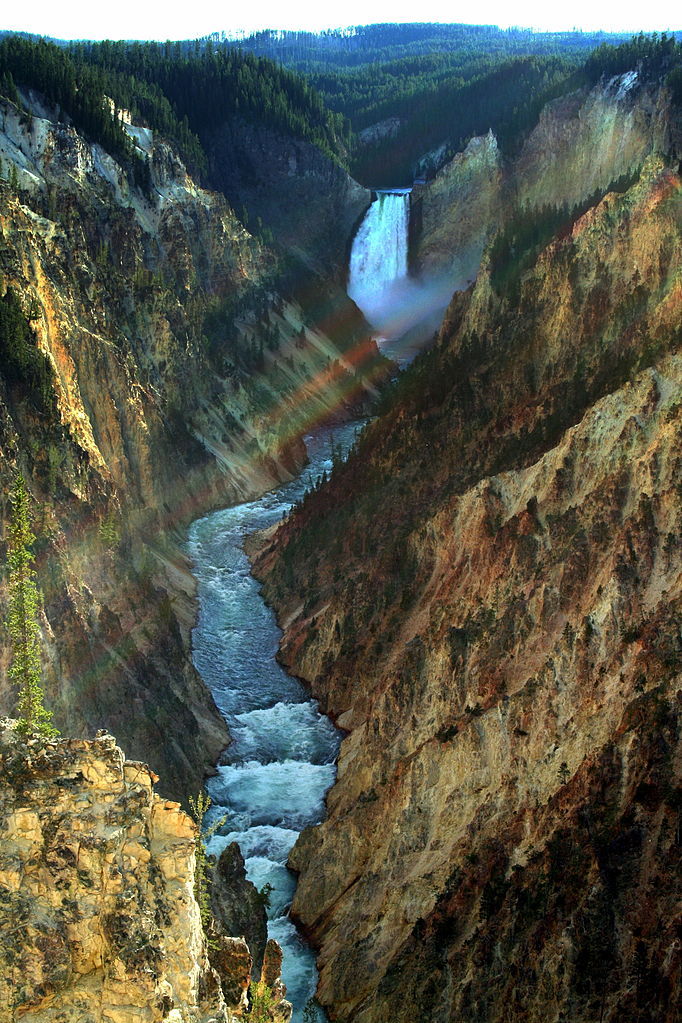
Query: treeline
[(444, 115), (516, 248), (445, 83), (204, 87), (438, 84), (182, 91), (375, 44), (652, 56)]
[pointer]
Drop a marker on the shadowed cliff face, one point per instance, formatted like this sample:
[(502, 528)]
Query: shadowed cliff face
[(186, 367), (503, 645), (309, 203)]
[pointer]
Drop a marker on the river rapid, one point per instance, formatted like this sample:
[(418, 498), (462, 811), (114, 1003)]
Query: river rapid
[(283, 755), (282, 759)]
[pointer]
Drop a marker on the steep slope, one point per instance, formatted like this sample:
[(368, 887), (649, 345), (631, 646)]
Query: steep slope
[(582, 143), (503, 645), (307, 201), (98, 874), (185, 367)]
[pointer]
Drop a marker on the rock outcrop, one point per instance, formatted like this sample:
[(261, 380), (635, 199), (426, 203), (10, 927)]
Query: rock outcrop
[(451, 216), (308, 201), (236, 904), (503, 646), (99, 917)]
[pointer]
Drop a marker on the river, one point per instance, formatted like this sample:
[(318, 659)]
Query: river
[(282, 759), (283, 755)]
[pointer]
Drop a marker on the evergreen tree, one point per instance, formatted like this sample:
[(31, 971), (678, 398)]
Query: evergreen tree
[(22, 622), (199, 806)]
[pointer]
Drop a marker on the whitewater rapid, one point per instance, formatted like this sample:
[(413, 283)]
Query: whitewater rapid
[(283, 755)]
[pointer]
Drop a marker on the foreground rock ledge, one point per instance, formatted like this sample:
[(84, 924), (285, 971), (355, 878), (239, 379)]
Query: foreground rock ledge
[(99, 919)]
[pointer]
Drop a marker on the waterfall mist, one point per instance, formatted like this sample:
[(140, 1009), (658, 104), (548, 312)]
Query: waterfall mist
[(405, 311)]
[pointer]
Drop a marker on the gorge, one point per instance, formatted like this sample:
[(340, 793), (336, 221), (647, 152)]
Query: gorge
[(281, 760), (198, 302)]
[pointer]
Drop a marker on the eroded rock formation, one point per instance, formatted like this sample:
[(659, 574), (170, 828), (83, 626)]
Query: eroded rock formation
[(582, 143), (503, 645), (99, 917)]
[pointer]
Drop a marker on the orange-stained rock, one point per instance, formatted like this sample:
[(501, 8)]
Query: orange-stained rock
[(503, 644)]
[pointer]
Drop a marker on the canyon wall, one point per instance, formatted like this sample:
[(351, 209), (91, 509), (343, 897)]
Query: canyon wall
[(185, 365), (100, 887), (97, 874), (503, 647), (582, 143), (307, 200)]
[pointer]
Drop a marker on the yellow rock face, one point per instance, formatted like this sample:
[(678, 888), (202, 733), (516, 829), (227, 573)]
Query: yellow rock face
[(96, 880), (582, 143), (504, 648)]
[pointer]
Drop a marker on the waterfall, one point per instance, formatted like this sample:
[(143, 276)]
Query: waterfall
[(405, 311), (378, 260)]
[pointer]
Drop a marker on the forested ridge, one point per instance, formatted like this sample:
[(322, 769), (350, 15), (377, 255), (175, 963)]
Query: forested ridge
[(205, 85), (373, 44), (442, 84), (182, 92), (390, 102)]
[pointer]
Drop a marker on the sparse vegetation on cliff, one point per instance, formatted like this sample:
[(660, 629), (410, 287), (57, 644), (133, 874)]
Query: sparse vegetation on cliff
[(22, 621), (516, 247)]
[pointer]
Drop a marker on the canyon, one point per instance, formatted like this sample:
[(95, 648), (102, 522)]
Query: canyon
[(150, 427), (484, 595), (503, 644)]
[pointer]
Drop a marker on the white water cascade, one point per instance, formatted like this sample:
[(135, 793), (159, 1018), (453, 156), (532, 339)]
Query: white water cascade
[(282, 759), (378, 261), (405, 311)]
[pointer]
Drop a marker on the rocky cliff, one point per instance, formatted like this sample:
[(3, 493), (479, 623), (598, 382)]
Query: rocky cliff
[(503, 646), (184, 367), (97, 874), (582, 143), (310, 203)]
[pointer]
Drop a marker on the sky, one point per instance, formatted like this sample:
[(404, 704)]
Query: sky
[(140, 19)]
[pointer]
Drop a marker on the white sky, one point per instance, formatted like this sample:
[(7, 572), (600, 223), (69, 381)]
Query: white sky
[(142, 19)]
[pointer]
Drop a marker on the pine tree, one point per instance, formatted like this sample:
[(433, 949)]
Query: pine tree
[(24, 608)]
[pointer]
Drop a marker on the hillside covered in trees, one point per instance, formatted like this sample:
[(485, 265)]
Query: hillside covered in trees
[(389, 102), (181, 92), (433, 85)]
